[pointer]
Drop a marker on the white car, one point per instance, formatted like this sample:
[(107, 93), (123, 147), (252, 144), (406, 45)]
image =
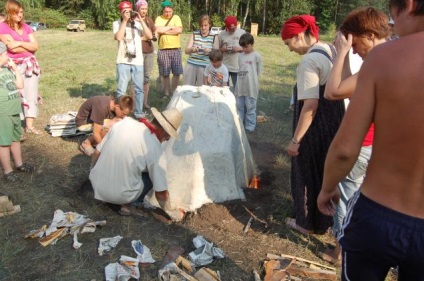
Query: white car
[(215, 30)]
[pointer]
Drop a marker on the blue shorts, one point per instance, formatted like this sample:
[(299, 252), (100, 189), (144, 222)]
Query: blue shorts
[(375, 238)]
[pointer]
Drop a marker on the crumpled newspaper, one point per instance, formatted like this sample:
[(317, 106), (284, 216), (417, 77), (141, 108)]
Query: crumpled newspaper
[(143, 252), (107, 244), (205, 252), (126, 269), (63, 224)]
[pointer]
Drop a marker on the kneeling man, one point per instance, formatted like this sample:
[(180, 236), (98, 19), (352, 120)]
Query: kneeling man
[(130, 161)]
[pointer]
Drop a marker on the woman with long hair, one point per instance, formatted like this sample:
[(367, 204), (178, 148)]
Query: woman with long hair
[(315, 122), (21, 47)]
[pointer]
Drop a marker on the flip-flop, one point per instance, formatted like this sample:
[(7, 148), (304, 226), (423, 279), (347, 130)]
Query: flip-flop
[(291, 223)]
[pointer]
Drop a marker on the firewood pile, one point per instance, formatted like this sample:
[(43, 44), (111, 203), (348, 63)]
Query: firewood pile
[(285, 267)]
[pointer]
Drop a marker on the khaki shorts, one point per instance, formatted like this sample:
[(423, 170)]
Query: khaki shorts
[(148, 66)]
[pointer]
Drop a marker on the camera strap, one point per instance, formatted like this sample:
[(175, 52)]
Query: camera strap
[(166, 24)]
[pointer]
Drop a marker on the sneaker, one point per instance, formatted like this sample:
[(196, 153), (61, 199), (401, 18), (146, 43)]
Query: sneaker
[(26, 167), (11, 177), (32, 131)]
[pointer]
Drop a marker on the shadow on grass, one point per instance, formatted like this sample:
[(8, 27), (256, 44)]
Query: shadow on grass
[(88, 90)]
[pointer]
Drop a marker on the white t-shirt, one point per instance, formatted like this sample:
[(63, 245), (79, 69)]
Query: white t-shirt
[(216, 76), (313, 72), (133, 38), (125, 152), (248, 75), (225, 38)]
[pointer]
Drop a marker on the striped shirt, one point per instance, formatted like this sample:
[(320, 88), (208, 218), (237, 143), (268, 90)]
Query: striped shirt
[(202, 42)]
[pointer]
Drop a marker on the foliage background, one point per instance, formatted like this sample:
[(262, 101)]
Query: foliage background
[(270, 15)]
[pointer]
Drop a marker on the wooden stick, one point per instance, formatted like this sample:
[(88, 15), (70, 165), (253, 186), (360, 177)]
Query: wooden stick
[(272, 256), (255, 217)]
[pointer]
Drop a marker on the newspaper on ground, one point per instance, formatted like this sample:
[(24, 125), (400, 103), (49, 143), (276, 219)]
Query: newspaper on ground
[(205, 252), (63, 224), (107, 244), (143, 252), (126, 269)]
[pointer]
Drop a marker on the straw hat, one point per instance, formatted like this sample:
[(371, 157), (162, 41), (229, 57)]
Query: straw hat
[(169, 119)]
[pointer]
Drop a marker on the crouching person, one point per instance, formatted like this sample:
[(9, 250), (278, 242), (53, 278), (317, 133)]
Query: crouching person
[(130, 161), (98, 114)]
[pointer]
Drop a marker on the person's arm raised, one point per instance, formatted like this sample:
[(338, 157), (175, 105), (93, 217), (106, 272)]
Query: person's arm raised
[(336, 88)]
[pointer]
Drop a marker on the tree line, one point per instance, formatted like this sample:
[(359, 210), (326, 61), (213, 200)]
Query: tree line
[(269, 15)]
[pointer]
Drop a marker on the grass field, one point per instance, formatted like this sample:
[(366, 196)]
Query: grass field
[(76, 66)]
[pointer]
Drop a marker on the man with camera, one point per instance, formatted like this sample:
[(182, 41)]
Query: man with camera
[(148, 48), (129, 31)]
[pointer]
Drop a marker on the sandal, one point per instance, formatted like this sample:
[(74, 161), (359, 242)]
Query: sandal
[(11, 177), (26, 167), (86, 150), (132, 211), (291, 223), (32, 131)]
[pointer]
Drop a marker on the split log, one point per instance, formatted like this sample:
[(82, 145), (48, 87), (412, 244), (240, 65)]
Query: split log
[(185, 263), (311, 273)]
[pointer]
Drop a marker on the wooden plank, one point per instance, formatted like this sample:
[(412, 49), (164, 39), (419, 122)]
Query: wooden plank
[(311, 273), (283, 256), (203, 275), (6, 206), (16, 209)]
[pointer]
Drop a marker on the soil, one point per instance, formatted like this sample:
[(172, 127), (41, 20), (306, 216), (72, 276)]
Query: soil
[(62, 182)]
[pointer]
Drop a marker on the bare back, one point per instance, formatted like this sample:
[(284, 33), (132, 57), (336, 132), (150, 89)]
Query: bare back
[(395, 176)]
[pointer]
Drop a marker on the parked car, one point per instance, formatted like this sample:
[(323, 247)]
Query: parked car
[(215, 30), (38, 26), (28, 22), (76, 25)]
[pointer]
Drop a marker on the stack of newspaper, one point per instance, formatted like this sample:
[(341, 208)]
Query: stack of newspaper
[(63, 125)]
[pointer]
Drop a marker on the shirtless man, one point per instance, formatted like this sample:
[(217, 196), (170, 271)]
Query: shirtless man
[(384, 226)]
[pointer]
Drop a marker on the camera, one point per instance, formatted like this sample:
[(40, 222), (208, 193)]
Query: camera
[(130, 49), (154, 39), (133, 14)]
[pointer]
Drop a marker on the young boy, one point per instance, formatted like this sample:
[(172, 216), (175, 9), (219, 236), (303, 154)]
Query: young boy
[(247, 87), (93, 113), (10, 122), (216, 74)]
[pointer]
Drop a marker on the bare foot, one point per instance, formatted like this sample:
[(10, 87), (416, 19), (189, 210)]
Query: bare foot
[(291, 223)]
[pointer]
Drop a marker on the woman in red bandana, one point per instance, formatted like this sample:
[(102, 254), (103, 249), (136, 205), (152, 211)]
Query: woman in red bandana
[(315, 122)]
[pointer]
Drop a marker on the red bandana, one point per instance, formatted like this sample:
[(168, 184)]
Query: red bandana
[(150, 126), (298, 24)]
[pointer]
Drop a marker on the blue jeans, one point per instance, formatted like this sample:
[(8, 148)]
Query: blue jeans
[(125, 72), (233, 76), (246, 110), (148, 185), (350, 185)]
